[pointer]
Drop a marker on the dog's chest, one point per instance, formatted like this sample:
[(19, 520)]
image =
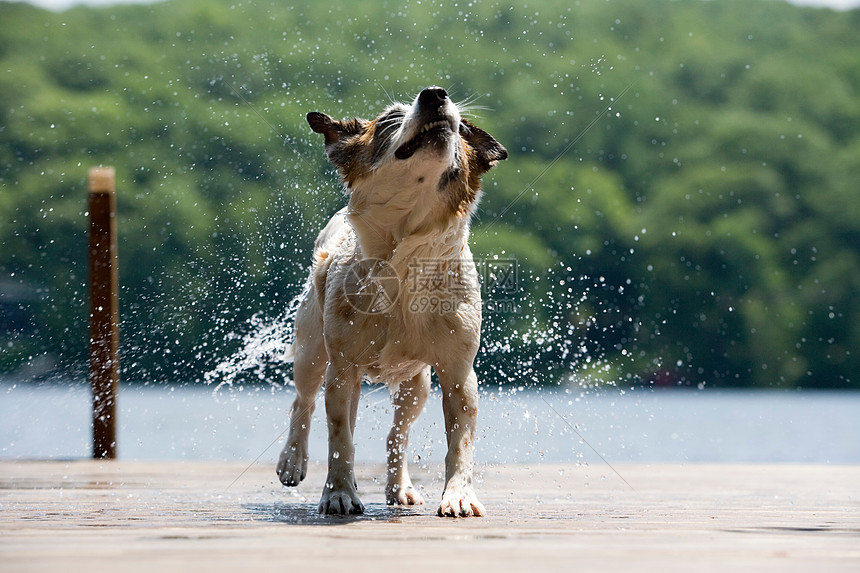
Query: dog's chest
[(433, 320)]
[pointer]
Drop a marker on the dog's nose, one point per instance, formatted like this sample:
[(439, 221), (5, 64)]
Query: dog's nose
[(432, 96)]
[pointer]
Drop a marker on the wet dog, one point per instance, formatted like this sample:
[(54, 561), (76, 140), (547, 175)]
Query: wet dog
[(393, 292)]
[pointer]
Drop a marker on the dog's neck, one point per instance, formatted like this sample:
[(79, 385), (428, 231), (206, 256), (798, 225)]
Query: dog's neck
[(398, 207)]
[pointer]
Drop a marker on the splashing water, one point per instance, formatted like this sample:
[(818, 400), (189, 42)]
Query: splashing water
[(268, 341), (515, 359)]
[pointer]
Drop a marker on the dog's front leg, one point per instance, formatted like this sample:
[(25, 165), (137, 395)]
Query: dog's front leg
[(460, 405), (408, 403), (309, 369), (342, 392)]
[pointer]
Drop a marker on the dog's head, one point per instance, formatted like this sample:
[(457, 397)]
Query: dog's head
[(427, 144)]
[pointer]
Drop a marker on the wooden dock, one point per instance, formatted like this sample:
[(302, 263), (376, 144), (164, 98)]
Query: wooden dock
[(191, 516)]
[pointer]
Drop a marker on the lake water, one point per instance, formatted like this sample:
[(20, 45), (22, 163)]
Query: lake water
[(190, 422)]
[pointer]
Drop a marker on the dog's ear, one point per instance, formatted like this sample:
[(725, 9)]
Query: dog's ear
[(488, 151), (338, 138), (322, 123), (334, 131)]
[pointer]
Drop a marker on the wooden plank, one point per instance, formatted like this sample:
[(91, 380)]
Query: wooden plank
[(145, 516)]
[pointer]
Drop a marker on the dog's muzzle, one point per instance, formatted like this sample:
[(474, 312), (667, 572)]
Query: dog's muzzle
[(434, 119)]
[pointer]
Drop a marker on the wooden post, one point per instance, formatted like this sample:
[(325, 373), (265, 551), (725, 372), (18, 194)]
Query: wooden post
[(104, 310)]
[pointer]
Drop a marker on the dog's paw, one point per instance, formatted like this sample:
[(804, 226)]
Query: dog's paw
[(292, 466), (340, 502), (460, 502), (403, 495)]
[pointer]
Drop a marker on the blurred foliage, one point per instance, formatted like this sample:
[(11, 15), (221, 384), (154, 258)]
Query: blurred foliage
[(681, 198)]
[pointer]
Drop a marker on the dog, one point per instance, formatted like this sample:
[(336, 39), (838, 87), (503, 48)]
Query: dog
[(394, 291)]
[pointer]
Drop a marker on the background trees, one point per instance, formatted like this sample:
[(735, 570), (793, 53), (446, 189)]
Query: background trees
[(680, 200)]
